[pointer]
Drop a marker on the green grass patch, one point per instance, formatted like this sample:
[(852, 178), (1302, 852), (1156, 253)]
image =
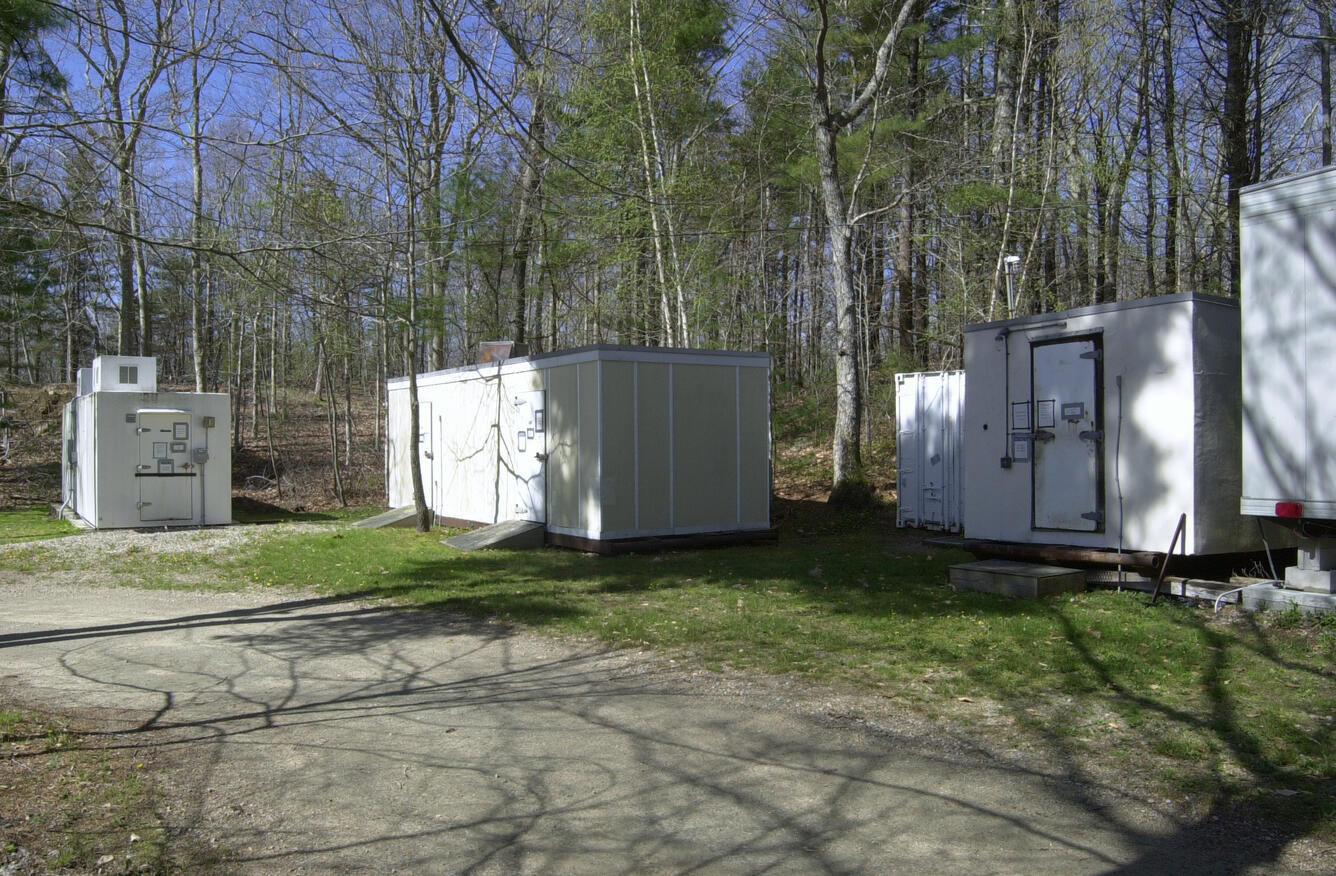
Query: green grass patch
[(32, 525), (1213, 709), (1248, 702)]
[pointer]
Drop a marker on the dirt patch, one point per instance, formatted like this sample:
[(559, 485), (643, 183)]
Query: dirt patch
[(77, 798)]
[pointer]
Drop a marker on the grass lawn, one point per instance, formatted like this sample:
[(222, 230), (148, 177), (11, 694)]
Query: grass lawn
[(32, 525), (1212, 711)]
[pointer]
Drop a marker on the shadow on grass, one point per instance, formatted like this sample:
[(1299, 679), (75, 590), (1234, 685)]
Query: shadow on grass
[(422, 674), (868, 576), (1269, 798)]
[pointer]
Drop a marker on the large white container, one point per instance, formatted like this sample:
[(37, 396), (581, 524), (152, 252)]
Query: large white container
[(1098, 427), (598, 443), (929, 426), (1287, 234), (133, 457)]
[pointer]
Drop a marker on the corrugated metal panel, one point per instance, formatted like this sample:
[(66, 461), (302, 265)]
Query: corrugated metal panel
[(929, 410)]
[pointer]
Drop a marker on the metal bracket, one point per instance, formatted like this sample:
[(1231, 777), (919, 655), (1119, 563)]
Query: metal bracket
[(1043, 435), (1093, 435), (1097, 355), (1096, 516)]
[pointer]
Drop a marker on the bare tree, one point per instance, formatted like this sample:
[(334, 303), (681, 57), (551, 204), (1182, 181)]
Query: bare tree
[(829, 120), (126, 50)]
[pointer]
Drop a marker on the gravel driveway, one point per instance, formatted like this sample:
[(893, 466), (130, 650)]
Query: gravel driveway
[(329, 735)]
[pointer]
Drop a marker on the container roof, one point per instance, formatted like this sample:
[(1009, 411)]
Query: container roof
[(605, 352), (1110, 307)]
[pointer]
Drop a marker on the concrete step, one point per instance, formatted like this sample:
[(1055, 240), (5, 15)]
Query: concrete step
[(405, 516), (1014, 578), (1269, 597), (508, 535)]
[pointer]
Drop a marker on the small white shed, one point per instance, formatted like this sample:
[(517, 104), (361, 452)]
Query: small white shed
[(133, 456), (929, 448), (598, 443), (1098, 427)]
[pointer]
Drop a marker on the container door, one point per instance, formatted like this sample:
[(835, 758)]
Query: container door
[(928, 409), (1068, 467), (531, 456), (164, 472), (908, 512)]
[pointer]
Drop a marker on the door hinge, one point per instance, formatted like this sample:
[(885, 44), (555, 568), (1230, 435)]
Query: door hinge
[(1096, 516), (1043, 435), (1097, 355), (1093, 435)]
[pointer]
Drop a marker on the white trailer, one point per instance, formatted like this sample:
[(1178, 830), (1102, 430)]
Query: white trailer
[(136, 457), (601, 443), (1098, 427), (929, 427), (1287, 236)]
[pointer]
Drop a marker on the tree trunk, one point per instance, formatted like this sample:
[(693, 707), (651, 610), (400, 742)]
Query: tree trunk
[(198, 329), (1234, 125), (849, 477), (849, 483), (1173, 176), (531, 179), (1324, 50)]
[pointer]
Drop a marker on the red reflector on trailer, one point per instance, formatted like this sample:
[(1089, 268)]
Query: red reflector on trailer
[(1290, 509)]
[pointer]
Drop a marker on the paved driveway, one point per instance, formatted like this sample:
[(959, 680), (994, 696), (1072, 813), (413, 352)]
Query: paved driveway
[(341, 736)]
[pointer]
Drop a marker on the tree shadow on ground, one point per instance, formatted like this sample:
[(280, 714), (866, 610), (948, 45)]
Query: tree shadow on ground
[(571, 760)]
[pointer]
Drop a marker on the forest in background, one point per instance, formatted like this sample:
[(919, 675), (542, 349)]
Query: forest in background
[(305, 193)]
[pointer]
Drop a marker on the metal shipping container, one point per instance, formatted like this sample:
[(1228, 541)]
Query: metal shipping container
[(929, 418), (1287, 231), (133, 456), (600, 443), (1098, 427), (1287, 240)]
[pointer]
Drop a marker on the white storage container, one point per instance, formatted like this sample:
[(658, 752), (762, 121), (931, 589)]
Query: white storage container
[(598, 443), (1287, 231), (1098, 427), (929, 424), (135, 457)]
